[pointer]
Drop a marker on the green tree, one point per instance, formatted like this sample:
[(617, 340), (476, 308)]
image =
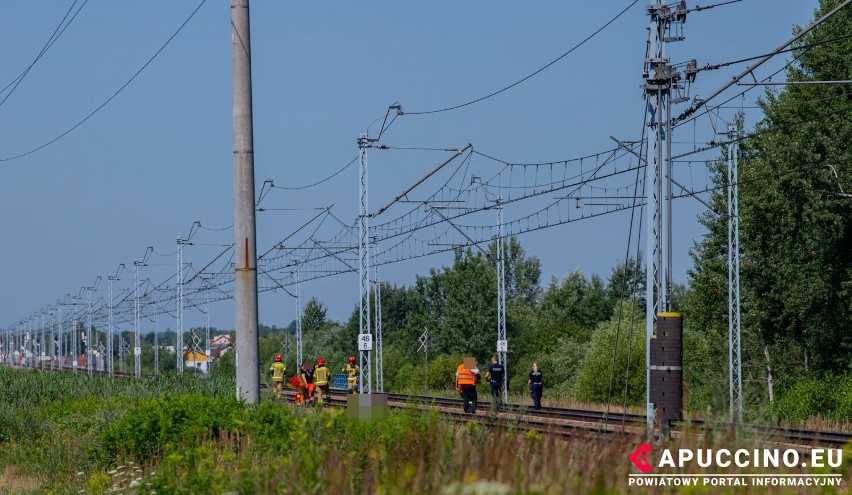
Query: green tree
[(795, 227), (523, 273), (313, 316), (594, 372), (577, 299), (626, 281)]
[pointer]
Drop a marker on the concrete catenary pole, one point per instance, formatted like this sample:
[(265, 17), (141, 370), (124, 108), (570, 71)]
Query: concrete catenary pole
[(245, 265)]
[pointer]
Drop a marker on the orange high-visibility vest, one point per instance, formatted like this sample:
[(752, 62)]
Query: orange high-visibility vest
[(465, 376)]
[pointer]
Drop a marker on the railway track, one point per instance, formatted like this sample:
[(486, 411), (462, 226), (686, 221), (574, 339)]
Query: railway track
[(570, 421), (560, 420)]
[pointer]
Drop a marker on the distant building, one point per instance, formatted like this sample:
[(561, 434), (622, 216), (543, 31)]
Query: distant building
[(199, 361), (220, 345), (222, 340)]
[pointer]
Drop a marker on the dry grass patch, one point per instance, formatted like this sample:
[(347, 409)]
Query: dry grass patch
[(13, 482)]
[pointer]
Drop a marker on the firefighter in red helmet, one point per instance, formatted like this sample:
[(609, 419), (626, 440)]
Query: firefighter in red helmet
[(321, 377), (278, 371), (351, 369)]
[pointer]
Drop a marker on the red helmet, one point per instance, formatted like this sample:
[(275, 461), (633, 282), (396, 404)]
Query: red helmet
[(351, 359), (277, 358), (320, 361)]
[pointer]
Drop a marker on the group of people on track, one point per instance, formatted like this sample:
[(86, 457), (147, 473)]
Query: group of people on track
[(313, 380), (468, 376)]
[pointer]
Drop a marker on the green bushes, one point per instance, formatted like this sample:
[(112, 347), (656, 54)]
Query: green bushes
[(829, 397), (161, 425)]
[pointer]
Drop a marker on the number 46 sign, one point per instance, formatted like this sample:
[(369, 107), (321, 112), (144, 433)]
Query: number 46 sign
[(365, 342)]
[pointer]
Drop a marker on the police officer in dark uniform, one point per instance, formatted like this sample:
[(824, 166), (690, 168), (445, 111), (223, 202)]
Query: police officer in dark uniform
[(536, 386), (495, 375)]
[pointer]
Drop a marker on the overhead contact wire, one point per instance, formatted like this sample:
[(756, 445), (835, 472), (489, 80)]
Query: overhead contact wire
[(542, 69)]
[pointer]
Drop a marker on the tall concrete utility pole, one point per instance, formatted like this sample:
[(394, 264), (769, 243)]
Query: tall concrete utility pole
[(245, 254)]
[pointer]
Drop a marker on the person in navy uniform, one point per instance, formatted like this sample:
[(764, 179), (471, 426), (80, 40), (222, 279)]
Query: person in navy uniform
[(535, 386), (495, 375)]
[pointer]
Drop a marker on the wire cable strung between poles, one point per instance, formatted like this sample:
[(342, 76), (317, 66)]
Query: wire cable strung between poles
[(708, 109), (113, 96), (536, 184), (627, 281), (788, 50), (699, 8), (698, 104), (286, 188), (50, 42), (549, 64)]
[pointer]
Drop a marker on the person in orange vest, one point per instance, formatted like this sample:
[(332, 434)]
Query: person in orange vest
[(321, 376), (466, 378)]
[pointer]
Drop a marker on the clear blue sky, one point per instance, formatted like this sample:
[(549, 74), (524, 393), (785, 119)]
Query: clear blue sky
[(159, 156)]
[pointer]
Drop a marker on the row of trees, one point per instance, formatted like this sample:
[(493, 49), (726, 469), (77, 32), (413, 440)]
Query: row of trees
[(568, 327)]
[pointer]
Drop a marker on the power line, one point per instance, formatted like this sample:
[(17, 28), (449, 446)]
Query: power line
[(547, 66), (48, 44), (803, 48), (319, 181), (797, 48), (750, 69), (117, 92), (699, 8)]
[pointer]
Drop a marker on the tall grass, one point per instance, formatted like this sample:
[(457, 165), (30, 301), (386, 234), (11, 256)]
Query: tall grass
[(63, 434)]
